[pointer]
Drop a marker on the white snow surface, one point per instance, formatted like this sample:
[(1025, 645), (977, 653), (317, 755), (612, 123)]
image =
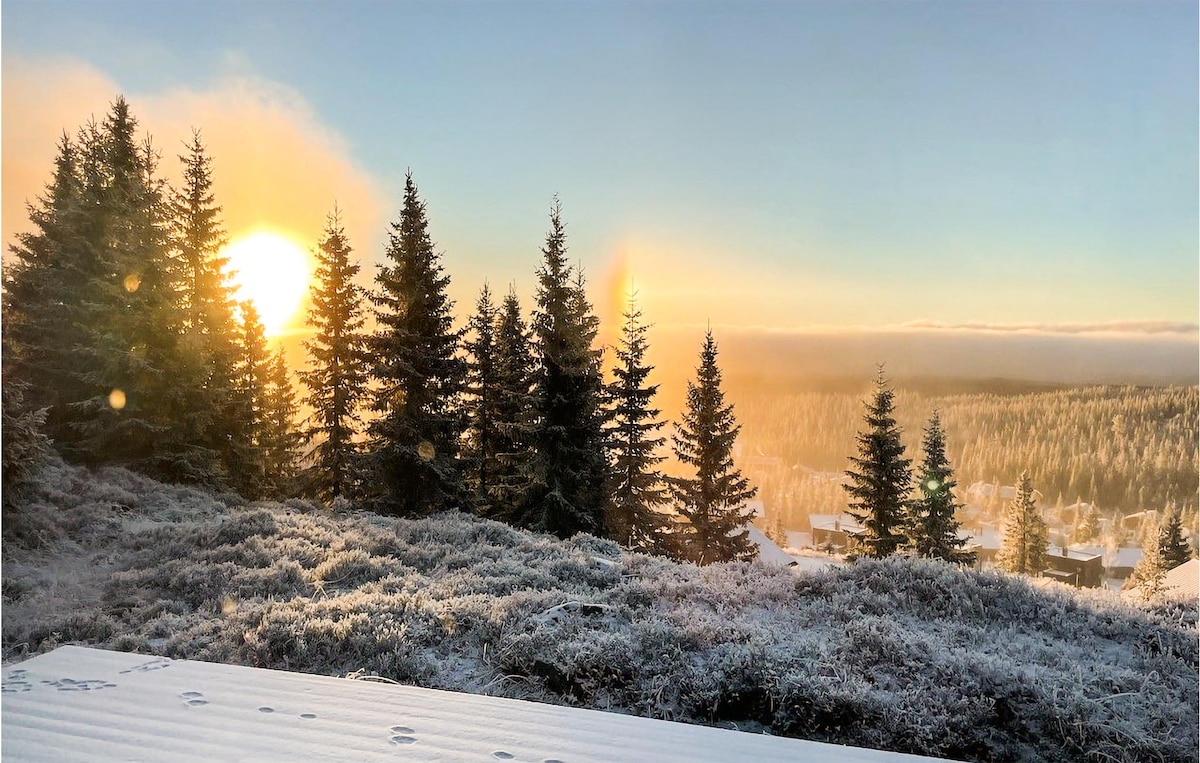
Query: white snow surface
[(80, 704)]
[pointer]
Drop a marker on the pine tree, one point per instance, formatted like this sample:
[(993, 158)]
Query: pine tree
[(513, 481), (1087, 528), (930, 528), (248, 465), (412, 465), (881, 477), (1173, 547), (639, 489), (1024, 538), (281, 441), (1148, 575), (337, 377), (46, 287), (205, 296), (480, 457), (570, 486), (714, 501)]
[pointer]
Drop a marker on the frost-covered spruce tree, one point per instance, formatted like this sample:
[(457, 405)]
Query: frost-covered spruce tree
[(1024, 537), (570, 481), (411, 465), (881, 476), (639, 490), (1173, 547), (248, 464), (336, 378), (480, 458), (513, 480), (929, 526), (1088, 526), (281, 441), (714, 500), (48, 287), (205, 295)]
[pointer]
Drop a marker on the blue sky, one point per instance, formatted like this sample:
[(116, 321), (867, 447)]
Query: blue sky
[(756, 164)]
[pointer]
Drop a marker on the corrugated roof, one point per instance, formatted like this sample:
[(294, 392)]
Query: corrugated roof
[(81, 704), (1183, 581)]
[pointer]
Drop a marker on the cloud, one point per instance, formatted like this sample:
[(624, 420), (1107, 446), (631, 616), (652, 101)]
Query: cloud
[(275, 164), (1109, 327)]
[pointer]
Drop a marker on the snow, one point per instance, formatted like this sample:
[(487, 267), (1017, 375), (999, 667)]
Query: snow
[(768, 552), (80, 704)]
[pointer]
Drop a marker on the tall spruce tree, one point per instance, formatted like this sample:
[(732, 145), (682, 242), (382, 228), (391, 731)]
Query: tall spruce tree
[(480, 456), (280, 440), (1024, 538), (47, 288), (512, 482), (929, 525), (570, 485), (714, 501), (639, 489), (248, 471), (881, 476), (205, 297), (412, 461), (337, 375)]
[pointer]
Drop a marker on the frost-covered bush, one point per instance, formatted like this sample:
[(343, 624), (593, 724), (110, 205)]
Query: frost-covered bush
[(907, 655)]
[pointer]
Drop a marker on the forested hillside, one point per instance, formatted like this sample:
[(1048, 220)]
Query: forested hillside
[(1125, 449)]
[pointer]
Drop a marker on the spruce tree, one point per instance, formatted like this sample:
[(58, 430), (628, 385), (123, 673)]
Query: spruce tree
[(881, 476), (337, 377), (570, 485), (1148, 575), (480, 457), (46, 288), (1024, 538), (512, 483), (930, 528), (639, 490), (412, 461), (205, 296), (248, 465), (1087, 528), (281, 440), (1173, 547), (714, 501)]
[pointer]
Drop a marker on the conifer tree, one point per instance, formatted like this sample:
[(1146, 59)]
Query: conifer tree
[(639, 489), (1024, 538), (570, 486), (930, 528), (281, 440), (480, 457), (1173, 547), (714, 501), (337, 377), (412, 461), (205, 296), (1087, 528), (881, 476), (248, 466), (1148, 575), (515, 458), (46, 288)]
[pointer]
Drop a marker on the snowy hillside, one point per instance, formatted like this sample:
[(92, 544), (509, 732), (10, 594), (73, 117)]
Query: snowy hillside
[(892, 655)]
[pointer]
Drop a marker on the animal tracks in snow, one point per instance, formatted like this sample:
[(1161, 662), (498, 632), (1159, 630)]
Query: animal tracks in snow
[(155, 664), (88, 684)]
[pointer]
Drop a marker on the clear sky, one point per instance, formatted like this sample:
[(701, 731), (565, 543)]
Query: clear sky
[(756, 164)]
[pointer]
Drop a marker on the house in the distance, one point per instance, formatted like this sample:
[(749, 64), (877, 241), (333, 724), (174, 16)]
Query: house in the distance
[(835, 533), (1081, 569)]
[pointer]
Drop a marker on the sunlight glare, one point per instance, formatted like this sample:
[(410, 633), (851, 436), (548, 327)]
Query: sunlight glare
[(272, 272)]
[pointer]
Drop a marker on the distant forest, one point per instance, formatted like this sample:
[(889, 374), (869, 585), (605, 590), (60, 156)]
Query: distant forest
[(1125, 449)]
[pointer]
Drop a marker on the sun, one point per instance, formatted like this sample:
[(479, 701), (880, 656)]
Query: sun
[(271, 271)]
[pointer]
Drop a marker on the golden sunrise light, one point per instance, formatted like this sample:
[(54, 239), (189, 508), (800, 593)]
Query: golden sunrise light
[(273, 272)]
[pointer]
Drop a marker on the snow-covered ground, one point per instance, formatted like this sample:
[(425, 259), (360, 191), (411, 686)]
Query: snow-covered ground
[(78, 704)]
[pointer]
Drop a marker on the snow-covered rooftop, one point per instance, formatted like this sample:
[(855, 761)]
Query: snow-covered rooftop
[(1183, 581), (83, 704)]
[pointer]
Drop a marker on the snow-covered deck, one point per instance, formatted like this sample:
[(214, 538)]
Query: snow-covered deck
[(77, 704)]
